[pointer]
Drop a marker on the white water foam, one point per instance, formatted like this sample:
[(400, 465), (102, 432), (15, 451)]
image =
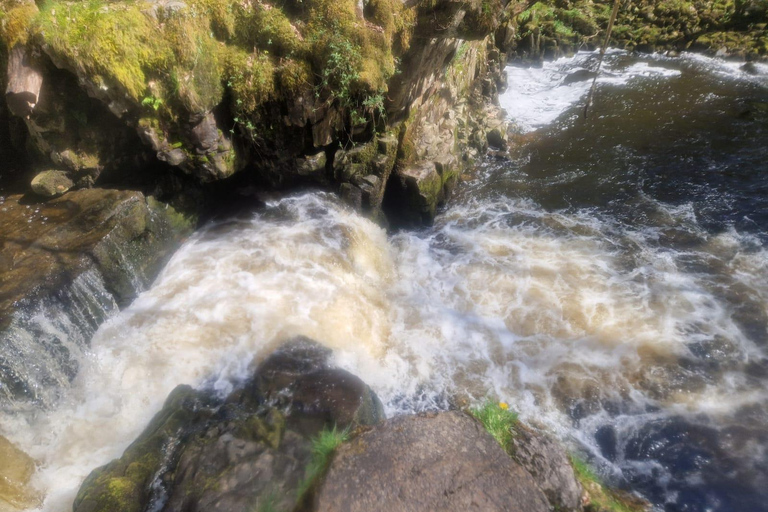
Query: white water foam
[(536, 97), (500, 299)]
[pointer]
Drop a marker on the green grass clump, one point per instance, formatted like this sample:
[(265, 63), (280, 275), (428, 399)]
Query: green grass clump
[(602, 498), (498, 420), (323, 447)]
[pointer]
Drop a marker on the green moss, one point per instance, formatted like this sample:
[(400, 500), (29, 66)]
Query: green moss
[(602, 499), (268, 28), (116, 44), (294, 76), (15, 19), (669, 24), (175, 61), (250, 78)]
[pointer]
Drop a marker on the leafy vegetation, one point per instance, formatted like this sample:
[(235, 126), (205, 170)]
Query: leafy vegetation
[(549, 26), (498, 419)]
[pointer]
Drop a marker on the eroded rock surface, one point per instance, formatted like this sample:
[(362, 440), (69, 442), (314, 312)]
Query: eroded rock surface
[(428, 462), (16, 469), (67, 264), (548, 463)]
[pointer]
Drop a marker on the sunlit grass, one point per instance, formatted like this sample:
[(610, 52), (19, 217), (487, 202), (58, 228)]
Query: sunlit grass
[(601, 497), (498, 419), (323, 446)]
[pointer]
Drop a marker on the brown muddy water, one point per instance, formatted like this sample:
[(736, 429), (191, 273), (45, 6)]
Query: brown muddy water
[(610, 281)]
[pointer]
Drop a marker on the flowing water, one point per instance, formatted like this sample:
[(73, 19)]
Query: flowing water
[(610, 281)]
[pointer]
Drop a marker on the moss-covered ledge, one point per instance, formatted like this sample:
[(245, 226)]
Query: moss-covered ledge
[(286, 91), (547, 29)]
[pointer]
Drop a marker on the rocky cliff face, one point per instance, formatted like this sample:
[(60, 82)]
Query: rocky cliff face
[(334, 93)]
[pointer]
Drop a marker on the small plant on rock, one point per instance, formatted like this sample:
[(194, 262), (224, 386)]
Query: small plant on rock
[(323, 446), (498, 419)]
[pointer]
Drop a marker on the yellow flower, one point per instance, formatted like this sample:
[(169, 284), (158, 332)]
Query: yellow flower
[(504, 406)]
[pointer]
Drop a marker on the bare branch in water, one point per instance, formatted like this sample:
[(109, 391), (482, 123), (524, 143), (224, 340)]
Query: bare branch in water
[(602, 54)]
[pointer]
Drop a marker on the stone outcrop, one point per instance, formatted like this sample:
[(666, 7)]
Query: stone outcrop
[(72, 261), (324, 93), (427, 462), (249, 451), (548, 463), (24, 82), (264, 447)]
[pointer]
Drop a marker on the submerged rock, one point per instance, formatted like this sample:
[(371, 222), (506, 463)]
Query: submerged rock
[(428, 462), (16, 468)]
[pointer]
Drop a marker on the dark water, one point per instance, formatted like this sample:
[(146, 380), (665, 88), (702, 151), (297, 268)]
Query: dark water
[(672, 163)]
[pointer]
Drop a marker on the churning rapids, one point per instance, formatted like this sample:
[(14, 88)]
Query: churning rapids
[(610, 281)]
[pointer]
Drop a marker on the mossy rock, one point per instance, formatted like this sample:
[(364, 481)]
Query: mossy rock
[(647, 25), (123, 484)]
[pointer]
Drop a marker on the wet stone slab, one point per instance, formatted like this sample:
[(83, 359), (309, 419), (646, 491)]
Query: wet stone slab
[(66, 265)]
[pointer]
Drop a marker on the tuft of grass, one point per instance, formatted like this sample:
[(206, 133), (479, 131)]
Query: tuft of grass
[(323, 446), (601, 497), (498, 419)]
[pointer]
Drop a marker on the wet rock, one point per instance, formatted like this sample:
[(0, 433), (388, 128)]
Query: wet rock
[(419, 191), (749, 68), (205, 135), (24, 82), (300, 380), (249, 451), (247, 462), (124, 483), (581, 75), (173, 157), (497, 137), (352, 195), (16, 469), (548, 463), (51, 183), (71, 260), (428, 462), (312, 164)]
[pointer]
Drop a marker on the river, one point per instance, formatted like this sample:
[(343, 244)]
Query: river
[(610, 281)]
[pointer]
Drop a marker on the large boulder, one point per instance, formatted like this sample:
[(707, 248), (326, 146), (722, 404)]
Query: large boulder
[(16, 469), (51, 183), (249, 451), (428, 462), (300, 379)]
